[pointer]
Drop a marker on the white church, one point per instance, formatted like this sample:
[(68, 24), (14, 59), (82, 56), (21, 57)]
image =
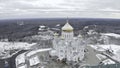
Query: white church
[(67, 46)]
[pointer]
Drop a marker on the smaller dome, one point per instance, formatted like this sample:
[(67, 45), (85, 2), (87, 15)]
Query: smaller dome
[(67, 27)]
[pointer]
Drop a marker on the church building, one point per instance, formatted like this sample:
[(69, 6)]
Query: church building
[(67, 46)]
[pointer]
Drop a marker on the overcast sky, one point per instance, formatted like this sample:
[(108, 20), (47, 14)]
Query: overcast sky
[(59, 8)]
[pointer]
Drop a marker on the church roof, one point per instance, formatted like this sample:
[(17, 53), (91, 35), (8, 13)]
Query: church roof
[(67, 27)]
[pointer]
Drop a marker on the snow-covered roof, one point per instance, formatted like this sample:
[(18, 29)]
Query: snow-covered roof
[(42, 26), (36, 51), (108, 61), (58, 25), (20, 59), (34, 61)]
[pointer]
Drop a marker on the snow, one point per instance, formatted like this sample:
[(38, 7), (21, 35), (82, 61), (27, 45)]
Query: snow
[(112, 34), (108, 61), (115, 50), (15, 45), (55, 28), (113, 47), (97, 48), (36, 51), (42, 26), (20, 59), (34, 61), (117, 57), (53, 52), (58, 25), (24, 66), (100, 56)]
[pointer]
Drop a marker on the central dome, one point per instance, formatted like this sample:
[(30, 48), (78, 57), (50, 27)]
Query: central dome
[(67, 27)]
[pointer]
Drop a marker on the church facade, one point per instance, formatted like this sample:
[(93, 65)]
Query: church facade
[(67, 46)]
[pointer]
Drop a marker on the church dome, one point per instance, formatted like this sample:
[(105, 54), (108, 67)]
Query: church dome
[(67, 27)]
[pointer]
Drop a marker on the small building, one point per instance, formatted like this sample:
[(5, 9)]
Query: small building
[(37, 58), (45, 33), (20, 61), (34, 61)]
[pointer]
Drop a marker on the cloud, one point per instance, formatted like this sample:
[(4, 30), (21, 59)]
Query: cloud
[(59, 8)]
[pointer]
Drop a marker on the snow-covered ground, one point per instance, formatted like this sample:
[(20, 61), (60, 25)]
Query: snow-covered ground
[(46, 37), (8, 49), (115, 49), (15, 45), (101, 57), (104, 59), (112, 35), (97, 48)]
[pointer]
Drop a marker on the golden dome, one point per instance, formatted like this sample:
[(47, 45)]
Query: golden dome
[(67, 27)]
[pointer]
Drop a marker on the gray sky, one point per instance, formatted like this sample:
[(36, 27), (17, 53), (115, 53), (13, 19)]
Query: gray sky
[(59, 8)]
